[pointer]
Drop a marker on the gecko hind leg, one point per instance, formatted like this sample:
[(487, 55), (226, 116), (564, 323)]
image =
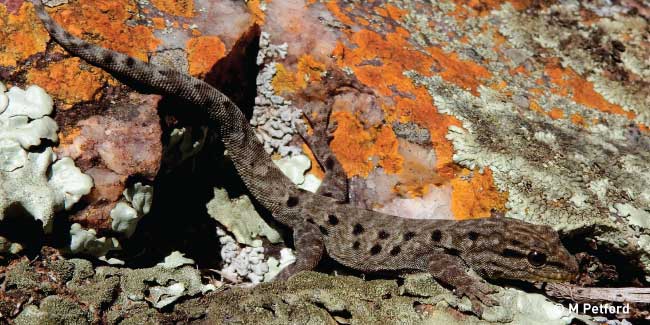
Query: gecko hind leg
[(309, 245), (335, 183)]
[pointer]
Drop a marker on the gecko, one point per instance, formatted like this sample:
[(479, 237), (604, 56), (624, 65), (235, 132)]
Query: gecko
[(364, 240)]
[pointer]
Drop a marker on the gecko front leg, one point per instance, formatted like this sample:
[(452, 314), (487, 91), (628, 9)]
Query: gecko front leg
[(451, 270), (308, 242)]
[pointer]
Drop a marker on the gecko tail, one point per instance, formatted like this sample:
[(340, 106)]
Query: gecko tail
[(130, 70)]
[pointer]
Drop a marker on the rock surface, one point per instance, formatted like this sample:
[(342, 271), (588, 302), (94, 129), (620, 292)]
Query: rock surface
[(453, 109)]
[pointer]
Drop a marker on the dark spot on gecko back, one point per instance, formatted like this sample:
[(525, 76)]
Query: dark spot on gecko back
[(409, 235), (375, 250), (292, 201), (108, 58), (357, 229), (329, 163), (452, 251), (356, 245), (396, 250), (332, 220), (472, 235), (436, 235), (323, 230), (383, 235)]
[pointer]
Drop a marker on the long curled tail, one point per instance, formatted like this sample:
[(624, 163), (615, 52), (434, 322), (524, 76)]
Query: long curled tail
[(265, 181)]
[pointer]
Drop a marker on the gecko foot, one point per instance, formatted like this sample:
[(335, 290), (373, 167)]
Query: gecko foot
[(477, 292)]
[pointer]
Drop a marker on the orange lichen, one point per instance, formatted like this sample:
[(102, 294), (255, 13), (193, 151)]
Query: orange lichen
[(158, 22), (474, 195), (308, 70), (534, 106), (578, 119), (284, 80), (23, 35), (394, 12), (390, 55), (105, 21), (315, 168), (67, 136), (357, 148), (464, 74), (70, 81), (520, 70), (556, 113), (184, 8), (203, 52), (334, 8), (256, 11), (583, 91)]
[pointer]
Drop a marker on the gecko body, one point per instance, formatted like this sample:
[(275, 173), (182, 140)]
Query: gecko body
[(495, 248)]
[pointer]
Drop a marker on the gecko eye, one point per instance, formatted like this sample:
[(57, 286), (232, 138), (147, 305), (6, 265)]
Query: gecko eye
[(536, 258)]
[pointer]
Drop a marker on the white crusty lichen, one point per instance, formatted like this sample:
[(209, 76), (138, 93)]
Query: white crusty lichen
[(126, 214), (274, 117), (242, 253), (241, 262), (34, 181), (246, 262)]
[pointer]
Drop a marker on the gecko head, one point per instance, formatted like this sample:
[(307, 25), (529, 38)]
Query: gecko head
[(517, 250)]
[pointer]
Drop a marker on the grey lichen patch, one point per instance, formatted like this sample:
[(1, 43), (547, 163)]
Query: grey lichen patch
[(615, 45), (555, 172), (157, 286), (126, 296), (315, 298), (54, 310)]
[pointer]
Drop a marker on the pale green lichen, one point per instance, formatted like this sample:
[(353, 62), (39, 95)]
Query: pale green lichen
[(6, 246), (176, 259), (295, 167), (183, 144), (240, 218), (275, 266), (34, 182), (84, 241), (125, 215)]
